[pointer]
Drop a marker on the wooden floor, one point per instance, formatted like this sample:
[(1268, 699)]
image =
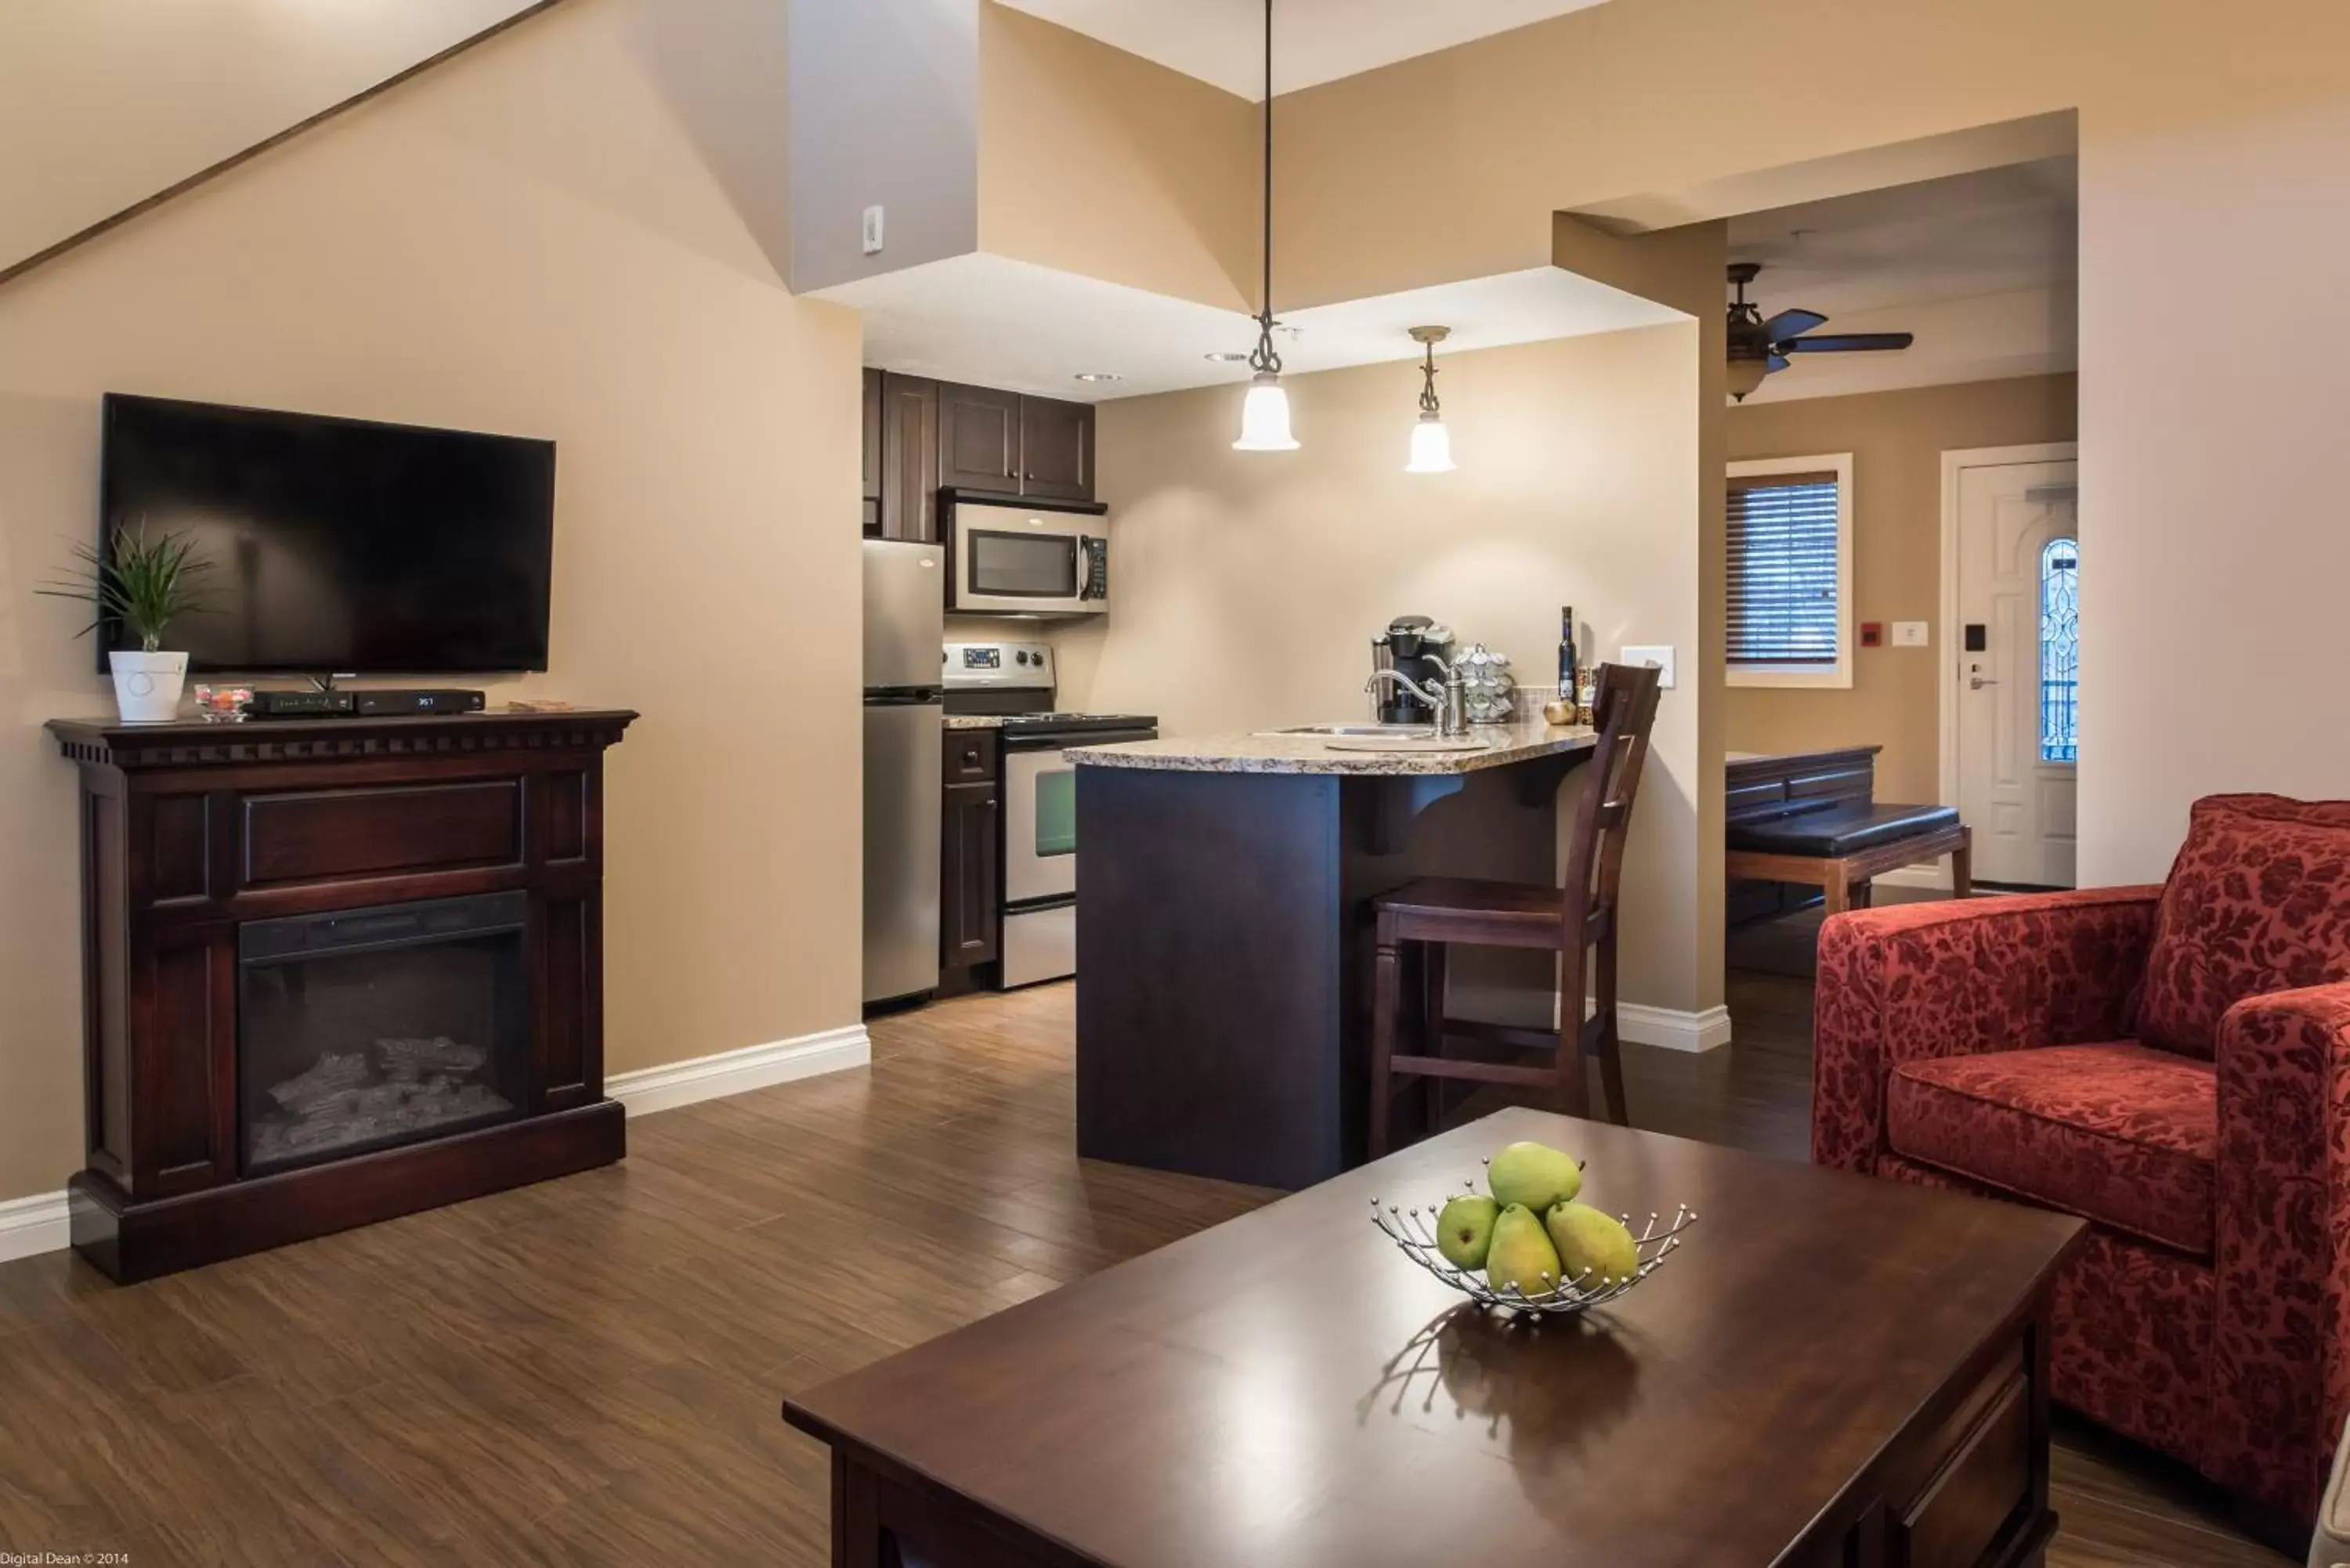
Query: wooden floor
[(587, 1371)]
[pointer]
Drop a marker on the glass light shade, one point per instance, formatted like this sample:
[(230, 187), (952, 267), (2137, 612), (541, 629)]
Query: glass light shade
[(1264, 417), (1431, 447), (1746, 374)]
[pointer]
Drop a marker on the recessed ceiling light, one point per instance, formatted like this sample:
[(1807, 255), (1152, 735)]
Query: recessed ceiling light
[(1226, 359), (1099, 376)]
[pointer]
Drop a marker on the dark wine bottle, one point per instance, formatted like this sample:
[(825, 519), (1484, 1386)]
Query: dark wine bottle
[(1570, 672)]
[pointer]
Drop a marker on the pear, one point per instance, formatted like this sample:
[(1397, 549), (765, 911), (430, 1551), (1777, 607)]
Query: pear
[(1533, 1174), (1521, 1254), (1465, 1230), (1594, 1248)]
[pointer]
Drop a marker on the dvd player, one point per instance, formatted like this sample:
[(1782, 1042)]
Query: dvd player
[(343, 702), (393, 700)]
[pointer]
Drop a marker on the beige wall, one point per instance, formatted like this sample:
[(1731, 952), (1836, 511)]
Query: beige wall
[(1250, 584), (531, 240), (1099, 162), (884, 112), (2210, 170), (1896, 440), (103, 105)]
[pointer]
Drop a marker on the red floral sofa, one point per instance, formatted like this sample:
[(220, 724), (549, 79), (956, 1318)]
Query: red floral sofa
[(2171, 1064)]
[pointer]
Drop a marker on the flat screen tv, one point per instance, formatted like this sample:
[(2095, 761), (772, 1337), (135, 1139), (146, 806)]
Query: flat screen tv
[(339, 547)]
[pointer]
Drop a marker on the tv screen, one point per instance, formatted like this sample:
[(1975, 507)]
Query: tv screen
[(340, 545)]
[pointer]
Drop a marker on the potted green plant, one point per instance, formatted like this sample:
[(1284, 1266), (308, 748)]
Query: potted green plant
[(142, 586)]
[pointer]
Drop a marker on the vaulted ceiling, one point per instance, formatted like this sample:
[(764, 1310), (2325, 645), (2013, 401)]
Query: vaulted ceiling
[(1222, 41)]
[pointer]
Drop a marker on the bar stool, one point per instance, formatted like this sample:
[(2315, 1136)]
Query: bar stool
[(1576, 921)]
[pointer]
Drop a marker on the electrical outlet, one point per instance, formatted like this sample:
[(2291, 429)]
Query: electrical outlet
[(1659, 654), (1908, 634), (872, 231)]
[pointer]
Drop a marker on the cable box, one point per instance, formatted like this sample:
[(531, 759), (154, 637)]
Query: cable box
[(305, 704), (397, 699)]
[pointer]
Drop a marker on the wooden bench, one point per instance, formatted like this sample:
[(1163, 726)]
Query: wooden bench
[(1812, 819)]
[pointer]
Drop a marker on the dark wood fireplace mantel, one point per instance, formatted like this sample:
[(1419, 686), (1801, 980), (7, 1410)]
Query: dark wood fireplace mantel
[(190, 832)]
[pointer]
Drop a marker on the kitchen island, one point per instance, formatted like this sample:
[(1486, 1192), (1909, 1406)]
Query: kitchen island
[(1225, 933)]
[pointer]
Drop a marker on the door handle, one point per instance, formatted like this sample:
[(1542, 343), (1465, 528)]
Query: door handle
[(1976, 682)]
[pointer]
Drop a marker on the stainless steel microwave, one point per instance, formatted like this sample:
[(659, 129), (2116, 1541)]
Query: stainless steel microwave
[(1026, 557)]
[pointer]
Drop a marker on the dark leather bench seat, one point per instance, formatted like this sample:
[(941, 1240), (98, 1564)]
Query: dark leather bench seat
[(1844, 827)]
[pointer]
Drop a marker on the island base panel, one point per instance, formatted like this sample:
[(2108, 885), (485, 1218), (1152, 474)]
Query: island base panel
[(1225, 947)]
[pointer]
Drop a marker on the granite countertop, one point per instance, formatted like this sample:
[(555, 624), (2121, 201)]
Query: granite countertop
[(1514, 743), (974, 721)]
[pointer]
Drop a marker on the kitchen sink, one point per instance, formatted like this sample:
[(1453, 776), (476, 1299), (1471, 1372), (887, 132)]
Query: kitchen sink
[(1388, 731), (1408, 745)]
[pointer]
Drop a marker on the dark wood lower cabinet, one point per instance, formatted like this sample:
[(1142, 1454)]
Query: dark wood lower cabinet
[(970, 853), (335, 970), (970, 922)]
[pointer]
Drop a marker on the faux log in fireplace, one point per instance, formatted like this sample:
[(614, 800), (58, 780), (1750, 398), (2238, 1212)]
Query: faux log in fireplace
[(335, 970)]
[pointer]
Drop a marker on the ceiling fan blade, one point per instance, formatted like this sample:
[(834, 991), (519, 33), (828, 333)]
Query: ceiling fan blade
[(1846, 342), (1792, 323), (1776, 362)]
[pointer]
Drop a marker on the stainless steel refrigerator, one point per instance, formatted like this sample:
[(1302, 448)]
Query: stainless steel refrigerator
[(905, 713)]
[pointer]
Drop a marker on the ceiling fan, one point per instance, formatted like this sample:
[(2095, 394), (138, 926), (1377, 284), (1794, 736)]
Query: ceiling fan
[(1758, 347)]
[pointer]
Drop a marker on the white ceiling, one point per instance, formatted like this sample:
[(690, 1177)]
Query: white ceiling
[(997, 322), (1992, 231), (1982, 267), (1222, 41)]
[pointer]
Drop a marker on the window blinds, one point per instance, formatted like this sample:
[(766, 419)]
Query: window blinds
[(1783, 570)]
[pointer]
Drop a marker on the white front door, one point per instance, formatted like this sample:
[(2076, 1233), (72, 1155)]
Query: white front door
[(2016, 651)]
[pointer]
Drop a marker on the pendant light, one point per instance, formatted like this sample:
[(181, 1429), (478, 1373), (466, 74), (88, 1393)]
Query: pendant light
[(1431, 443), (1264, 415)]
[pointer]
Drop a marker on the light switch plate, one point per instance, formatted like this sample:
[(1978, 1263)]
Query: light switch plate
[(1908, 634), (1659, 654), (872, 231)]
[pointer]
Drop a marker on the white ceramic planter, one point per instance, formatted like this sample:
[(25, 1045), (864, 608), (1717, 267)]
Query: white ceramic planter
[(147, 686)]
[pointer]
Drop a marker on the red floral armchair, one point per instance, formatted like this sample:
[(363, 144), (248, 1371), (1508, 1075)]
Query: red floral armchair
[(2170, 1064)]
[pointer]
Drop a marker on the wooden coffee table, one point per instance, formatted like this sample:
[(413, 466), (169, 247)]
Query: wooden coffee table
[(1832, 1373)]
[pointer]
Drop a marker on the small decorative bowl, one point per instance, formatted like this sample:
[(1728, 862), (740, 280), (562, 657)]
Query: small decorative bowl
[(1413, 1230), (223, 704)]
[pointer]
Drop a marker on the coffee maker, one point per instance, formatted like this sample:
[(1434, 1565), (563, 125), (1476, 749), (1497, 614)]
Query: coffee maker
[(1416, 647)]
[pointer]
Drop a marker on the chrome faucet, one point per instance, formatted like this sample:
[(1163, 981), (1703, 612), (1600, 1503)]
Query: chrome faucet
[(1450, 700)]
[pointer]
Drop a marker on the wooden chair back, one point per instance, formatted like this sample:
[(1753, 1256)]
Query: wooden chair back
[(1625, 712)]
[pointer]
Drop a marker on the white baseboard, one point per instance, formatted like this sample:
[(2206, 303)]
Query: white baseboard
[(30, 1226), (33, 1225), (1933, 876), (679, 1084), (1671, 1028)]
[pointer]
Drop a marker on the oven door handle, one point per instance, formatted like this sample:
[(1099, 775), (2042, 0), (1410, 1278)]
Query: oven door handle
[(1068, 740)]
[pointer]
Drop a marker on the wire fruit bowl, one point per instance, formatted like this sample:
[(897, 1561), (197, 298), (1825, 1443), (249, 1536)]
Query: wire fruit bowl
[(1413, 1230)]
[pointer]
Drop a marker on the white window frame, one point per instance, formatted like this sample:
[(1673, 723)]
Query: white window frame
[(1838, 676)]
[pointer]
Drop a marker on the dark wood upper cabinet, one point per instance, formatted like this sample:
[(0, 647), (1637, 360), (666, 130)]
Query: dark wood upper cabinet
[(910, 457), (920, 434), (979, 438), (872, 490), (1056, 449)]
